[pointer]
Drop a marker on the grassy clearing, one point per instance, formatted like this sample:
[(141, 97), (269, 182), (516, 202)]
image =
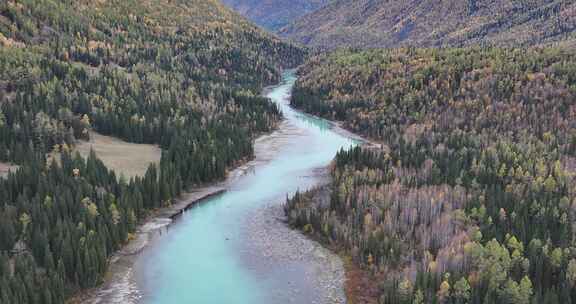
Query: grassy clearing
[(6, 168), (122, 157)]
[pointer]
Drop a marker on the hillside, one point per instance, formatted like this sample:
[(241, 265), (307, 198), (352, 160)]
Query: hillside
[(430, 23), (182, 75), (471, 197), (274, 14)]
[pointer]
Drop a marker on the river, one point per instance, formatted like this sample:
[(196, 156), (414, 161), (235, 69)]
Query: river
[(232, 247)]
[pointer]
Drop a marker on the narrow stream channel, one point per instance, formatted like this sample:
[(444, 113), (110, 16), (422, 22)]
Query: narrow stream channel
[(231, 248)]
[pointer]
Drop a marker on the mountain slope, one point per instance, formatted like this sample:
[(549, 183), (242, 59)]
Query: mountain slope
[(184, 75), (274, 14), (470, 198), (431, 23)]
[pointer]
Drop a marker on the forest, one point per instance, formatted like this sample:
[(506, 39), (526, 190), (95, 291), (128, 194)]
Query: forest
[(470, 195), (432, 23), (183, 75)]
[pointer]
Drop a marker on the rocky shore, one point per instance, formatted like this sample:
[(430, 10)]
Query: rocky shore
[(312, 273)]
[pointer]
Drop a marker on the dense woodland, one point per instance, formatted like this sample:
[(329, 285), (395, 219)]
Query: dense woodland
[(471, 196), (184, 75)]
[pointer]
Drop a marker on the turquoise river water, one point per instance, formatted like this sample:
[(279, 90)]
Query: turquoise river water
[(205, 256)]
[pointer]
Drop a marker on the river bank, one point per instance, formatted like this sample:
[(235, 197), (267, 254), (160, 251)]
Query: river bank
[(285, 258), (360, 286), (119, 286)]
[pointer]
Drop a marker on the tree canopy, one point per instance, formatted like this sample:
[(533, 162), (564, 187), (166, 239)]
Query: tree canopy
[(184, 75), (470, 196)]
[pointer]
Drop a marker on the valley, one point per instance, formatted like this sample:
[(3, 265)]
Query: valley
[(271, 151), (237, 240)]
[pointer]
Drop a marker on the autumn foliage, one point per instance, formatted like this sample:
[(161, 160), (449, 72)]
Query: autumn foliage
[(471, 197)]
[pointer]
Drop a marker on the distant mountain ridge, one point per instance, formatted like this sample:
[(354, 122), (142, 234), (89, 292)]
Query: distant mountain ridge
[(433, 23), (274, 14)]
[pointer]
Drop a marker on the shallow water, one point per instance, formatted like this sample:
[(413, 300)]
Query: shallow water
[(207, 257)]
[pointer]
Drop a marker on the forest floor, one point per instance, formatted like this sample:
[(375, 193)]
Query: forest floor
[(6, 168), (123, 157), (361, 286)]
